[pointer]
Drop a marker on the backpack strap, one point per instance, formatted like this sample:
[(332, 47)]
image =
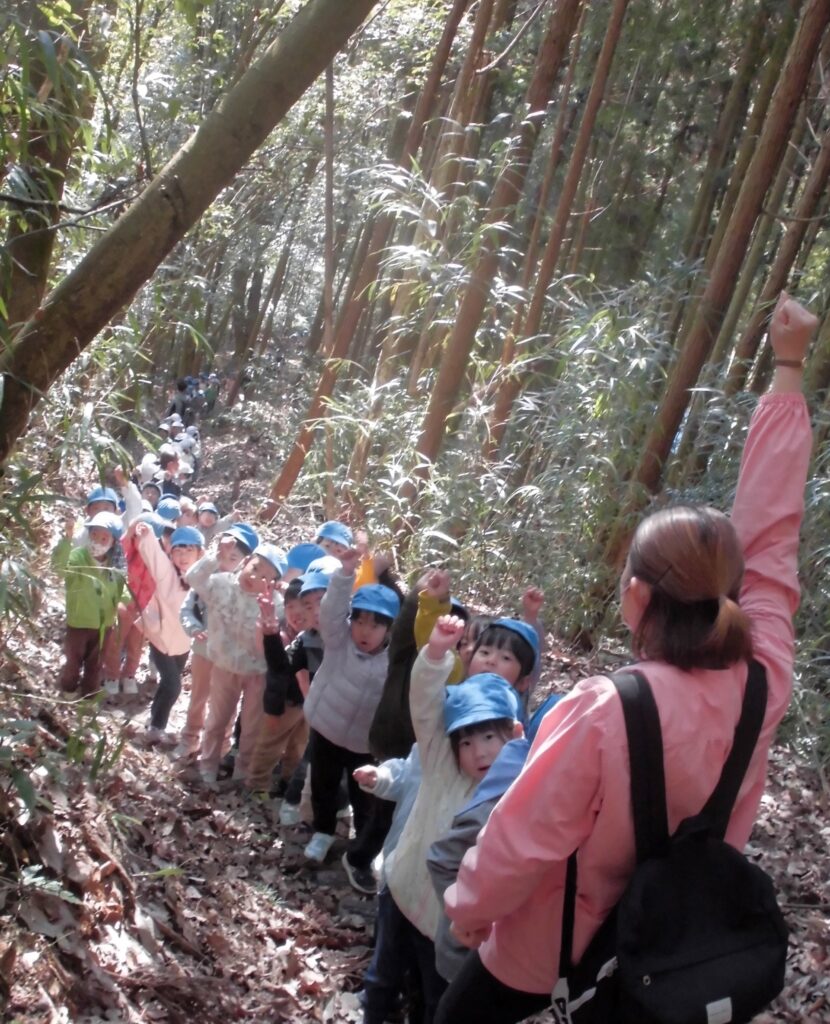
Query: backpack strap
[(648, 791), (718, 808)]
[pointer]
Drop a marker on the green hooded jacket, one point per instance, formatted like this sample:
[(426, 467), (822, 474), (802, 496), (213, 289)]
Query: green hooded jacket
[(93, 590)]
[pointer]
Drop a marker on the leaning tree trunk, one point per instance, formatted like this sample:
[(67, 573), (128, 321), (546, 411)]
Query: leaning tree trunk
[(127, 255), (715, 299)]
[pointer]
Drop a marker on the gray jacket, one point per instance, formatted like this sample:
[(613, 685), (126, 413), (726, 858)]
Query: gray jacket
[(348, 685), (443, 861)]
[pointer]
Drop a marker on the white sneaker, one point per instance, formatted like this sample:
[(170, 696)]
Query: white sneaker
[(289, 814), (158, 737), (129, 684), (318, 847), (112, 687), (184, 751)]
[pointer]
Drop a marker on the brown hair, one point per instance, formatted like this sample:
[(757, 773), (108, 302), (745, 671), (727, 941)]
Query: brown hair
[(692, 560)]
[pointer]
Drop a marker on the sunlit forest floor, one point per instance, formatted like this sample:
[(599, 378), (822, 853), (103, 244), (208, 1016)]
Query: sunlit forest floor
[(129, 895)]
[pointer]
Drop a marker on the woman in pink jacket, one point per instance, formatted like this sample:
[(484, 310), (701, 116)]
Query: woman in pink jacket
[(701, 595)]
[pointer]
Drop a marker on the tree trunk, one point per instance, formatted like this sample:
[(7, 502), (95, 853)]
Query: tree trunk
[(532, 322), (785, 101), (814, 189), (506, 193), (127, 255), (49, 143)]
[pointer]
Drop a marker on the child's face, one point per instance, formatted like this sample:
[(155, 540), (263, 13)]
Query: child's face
[(207, 519), (257, 575), (476, 753), (185, 555), (100, 541), (368, 634), (331, 547), (500, 660), (466, 645), (311, 607), (152, 495), (295, 615), (229, 558)]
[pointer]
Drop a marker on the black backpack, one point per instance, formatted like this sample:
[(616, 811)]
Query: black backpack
[(697, 936)]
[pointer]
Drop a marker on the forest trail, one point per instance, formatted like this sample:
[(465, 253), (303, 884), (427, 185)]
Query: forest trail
[(143, 899)]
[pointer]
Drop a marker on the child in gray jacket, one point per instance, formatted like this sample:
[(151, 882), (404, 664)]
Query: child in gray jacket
[(344, 695)]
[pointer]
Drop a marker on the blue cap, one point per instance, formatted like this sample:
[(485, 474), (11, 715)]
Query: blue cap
[(328, 564), (207, 506), (273, 555), (336, 531), (481, 698), (102, 494), (245, 534), (158, 524), (169, 508), (374, 597), (314, 581), (185, 536), (525, 631), (302, 555), (107, 521)]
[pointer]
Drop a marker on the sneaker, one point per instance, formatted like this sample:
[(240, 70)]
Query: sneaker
[(158, 737), (184, 752), (129, 684), (111, 687), (290, 814), (318, 847), (361, 879)]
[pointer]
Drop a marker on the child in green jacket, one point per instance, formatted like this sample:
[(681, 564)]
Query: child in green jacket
[(94, 577)]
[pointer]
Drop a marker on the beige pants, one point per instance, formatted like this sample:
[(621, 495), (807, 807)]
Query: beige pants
[(200, 670), (282, 738), (225, 690)]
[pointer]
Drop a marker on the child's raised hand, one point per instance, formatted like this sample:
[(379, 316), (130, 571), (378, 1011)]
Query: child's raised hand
[(438, 584), (349, 560), (532, 600), (791, 328), (366, 776), (142, 530), (269, 622), (69, 526), (119, 476), (445, 635)]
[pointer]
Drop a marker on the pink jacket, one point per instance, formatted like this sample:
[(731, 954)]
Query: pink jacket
[(160, 617), (574, 789)]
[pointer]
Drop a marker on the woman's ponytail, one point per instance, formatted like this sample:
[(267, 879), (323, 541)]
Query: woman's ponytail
[(730, 638)]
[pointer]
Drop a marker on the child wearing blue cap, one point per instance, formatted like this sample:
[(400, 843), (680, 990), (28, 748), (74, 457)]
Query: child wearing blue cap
[(94, 577), (335, 538), (344, 695), (283, 730), (460, 731), (234, 645), (194, 620)]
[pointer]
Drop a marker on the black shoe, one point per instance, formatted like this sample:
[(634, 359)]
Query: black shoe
[(225, 770), (362, 879)]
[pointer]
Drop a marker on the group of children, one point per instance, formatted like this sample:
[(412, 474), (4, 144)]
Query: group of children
[(392, 706)]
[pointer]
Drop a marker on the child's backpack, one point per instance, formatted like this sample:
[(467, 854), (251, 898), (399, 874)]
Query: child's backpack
[(697, 936)]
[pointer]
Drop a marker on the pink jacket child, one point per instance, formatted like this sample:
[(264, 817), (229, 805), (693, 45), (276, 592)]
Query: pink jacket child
[(574, 790), (169, 644), (123, 654)]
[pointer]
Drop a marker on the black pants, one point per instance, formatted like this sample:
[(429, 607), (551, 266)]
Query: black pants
[(369, 842), (169, 668), (475, 995), (328, 762)]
